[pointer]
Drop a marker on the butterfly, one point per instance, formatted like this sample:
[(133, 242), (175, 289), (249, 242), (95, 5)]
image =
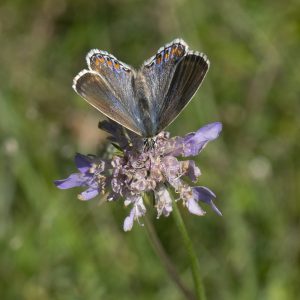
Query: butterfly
[(147, 100)]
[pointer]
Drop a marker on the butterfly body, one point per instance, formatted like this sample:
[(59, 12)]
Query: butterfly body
[(148, 100)]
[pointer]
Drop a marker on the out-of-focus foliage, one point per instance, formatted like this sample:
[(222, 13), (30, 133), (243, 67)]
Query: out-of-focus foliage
[(56, 247)]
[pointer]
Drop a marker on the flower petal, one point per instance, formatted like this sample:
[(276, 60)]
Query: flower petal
[(163, 201), (82, 162), (73, 180), (137, 211), (190, 169), (128, 222), (193, 143), (88, 194), (194, 208), (170, 166), (204, 194), (140, 207)]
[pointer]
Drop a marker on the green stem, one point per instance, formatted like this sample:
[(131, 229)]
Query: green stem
[(164, 257), (194, 263), (166, 261)]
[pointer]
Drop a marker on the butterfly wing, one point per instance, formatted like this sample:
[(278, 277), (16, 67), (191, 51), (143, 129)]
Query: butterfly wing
[(173, 76), (107, 86), (186, 80)]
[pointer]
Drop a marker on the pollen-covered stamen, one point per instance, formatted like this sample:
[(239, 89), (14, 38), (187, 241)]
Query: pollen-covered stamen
[(97, 167), (101, 181)]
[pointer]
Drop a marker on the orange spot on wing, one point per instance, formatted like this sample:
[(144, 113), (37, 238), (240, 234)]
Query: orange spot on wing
[(96, 60), (166, 55), (116, 65), (109, 62), (179, 51), (173, 51), (158, 58), (99, 60)]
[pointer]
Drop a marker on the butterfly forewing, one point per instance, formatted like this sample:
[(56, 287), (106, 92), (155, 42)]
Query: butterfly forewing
[(158, 72), (173, 76), (108, 87), (186, 80)]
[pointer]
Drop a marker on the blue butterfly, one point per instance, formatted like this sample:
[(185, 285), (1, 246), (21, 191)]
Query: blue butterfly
[(148, 100)]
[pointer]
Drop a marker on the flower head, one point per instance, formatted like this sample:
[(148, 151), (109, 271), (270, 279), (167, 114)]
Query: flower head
[(145, 165)]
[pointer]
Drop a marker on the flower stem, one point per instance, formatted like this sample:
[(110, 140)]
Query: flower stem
[(194, 263), (164, 257)]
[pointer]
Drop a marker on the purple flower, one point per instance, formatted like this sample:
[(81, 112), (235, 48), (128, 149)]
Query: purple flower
[(142, 165), (90, 175), (193, 143)]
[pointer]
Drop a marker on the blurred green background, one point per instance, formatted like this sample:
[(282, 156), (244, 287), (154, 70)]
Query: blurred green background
[(56, 247)]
